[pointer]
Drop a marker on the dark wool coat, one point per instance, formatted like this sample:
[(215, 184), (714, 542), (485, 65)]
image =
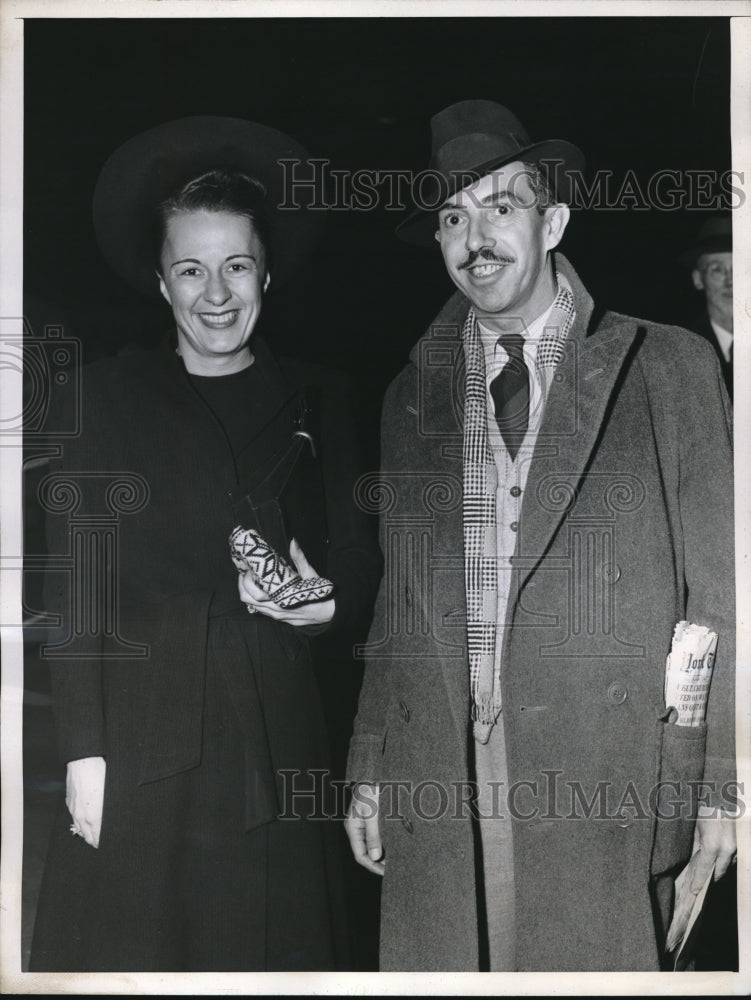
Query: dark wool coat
[(701, 324), (165, 672), (626, 528)]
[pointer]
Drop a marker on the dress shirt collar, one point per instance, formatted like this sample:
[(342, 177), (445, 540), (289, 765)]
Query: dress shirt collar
[(531, 333), (724, 338)]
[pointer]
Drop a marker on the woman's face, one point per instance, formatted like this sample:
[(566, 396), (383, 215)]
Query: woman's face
[(213, 274)]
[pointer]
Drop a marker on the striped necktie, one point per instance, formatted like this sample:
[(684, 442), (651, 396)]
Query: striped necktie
[(509, 391)]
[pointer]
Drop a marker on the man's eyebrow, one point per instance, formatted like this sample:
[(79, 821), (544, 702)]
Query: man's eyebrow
[(495, 196), (490, 199)]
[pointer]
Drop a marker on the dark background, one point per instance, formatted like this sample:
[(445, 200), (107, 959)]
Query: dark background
[(645, 94), (641, 94)]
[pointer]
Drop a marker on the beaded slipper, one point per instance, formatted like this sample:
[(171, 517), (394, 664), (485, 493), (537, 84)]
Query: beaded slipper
[(273, 573)]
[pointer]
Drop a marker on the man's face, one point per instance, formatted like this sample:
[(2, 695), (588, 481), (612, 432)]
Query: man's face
[(495, 242), (713, 274)]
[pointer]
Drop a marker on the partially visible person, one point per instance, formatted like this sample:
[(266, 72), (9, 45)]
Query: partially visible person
[(710, 260), (171, 855)]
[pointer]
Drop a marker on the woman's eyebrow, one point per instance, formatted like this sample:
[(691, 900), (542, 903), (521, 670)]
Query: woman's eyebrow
[(195, 260)]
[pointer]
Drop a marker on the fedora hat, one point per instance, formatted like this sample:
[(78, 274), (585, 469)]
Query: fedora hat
[(154, 164), (471, 138), (715, 236)]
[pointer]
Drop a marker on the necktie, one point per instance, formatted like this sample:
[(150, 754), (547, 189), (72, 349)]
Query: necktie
[(510, 393)]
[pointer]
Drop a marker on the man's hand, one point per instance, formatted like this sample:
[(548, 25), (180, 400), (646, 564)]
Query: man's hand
[(314, 613), (716, 837), (84, 796), (362, 829)]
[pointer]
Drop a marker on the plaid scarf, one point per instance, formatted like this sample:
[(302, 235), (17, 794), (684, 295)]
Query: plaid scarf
[(479, 514)]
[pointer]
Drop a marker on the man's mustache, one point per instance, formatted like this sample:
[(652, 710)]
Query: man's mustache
[(485, 254)]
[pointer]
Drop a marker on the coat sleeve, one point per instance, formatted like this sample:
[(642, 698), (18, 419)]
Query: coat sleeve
[(368, 739), (354, 560), (706, 512), (76, 681)]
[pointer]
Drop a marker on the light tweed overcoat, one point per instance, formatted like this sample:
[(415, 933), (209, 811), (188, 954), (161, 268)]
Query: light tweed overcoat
[(626, 528)]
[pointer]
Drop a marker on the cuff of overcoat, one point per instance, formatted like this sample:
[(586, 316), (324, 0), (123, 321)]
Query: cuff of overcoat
[(77, 748), (364, 760), (720, 789), (80, 732)]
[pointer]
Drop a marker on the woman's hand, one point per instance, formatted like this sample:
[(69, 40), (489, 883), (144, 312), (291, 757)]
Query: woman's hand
[(314, 613), (84, 796)]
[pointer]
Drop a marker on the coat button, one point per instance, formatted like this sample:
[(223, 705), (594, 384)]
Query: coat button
[(617, 693), (515, 491), (405, 711), (406, 824), (611, 573), (624, 822), (514, 526)]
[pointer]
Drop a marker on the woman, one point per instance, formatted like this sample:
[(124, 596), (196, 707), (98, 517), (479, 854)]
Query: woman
[(182, 724)]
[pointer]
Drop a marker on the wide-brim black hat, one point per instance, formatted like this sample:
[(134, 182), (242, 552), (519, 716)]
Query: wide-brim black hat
[(715, 236), (155, 164), (469, 140)]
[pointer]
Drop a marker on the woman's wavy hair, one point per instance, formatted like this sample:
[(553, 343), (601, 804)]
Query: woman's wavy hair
[(218, 190)]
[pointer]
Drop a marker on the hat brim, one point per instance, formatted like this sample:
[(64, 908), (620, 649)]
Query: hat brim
[(713, 244), (557, 154), (153, 165)]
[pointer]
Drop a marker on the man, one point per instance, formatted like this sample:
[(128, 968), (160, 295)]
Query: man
[(548, 472), (710, 261)]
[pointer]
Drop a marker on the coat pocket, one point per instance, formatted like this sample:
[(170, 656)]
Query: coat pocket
[(676, 794)]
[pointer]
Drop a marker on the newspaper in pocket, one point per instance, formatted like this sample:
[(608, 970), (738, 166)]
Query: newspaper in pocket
[(688, 672)]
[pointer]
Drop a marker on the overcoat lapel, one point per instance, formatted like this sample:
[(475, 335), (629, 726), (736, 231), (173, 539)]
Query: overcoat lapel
[(575, 411), (281, 392)]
